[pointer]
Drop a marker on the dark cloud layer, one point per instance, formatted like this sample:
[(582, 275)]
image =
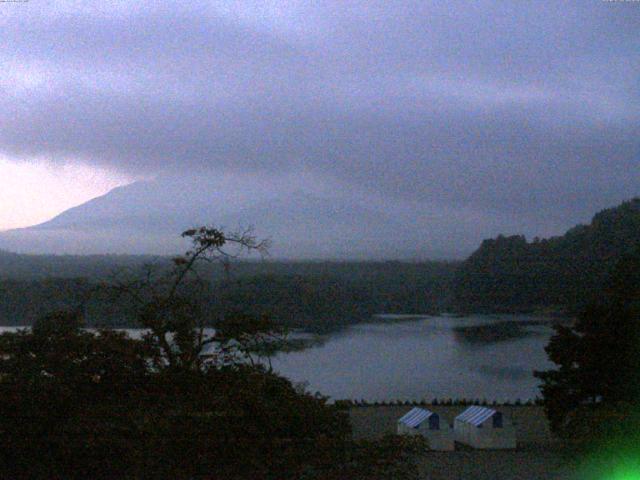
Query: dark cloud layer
[(527, 111)]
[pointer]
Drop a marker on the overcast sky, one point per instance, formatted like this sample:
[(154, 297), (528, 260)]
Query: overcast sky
[(521, 114)]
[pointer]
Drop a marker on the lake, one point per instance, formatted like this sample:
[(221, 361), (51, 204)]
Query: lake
[(423, 357), (482, 356)]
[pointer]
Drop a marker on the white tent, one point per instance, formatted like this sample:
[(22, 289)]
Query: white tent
[(419, 421), (481, 427)]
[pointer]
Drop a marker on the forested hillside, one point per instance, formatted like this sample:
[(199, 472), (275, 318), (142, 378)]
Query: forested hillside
[(509, 274), (33, 267), (343, 296), (506, 274), (313, 295)]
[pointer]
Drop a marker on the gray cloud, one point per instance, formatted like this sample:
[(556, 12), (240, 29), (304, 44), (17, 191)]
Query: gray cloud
[(526, 114)]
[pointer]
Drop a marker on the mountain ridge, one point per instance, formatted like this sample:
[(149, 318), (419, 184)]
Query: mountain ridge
[(147, 218)]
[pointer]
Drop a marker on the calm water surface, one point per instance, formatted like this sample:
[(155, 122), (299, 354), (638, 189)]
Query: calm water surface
[(414, 358), (490, 357)]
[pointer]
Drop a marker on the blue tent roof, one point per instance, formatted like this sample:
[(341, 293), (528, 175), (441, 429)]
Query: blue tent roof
[(415, 417), (476, 415)]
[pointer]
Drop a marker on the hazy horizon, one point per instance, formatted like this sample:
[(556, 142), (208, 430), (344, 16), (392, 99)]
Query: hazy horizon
[(67, 233), (441, 123)]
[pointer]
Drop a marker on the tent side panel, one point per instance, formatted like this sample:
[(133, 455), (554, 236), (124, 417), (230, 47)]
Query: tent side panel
[(441, 440)]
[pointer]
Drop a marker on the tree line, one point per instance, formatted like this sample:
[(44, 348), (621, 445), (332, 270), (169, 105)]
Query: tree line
[(509, 274), (505, 274), (315, 296), (179, 403)]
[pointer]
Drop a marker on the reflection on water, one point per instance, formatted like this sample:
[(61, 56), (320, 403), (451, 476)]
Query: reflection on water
[(413, 358), (498, 331), (490, 357)]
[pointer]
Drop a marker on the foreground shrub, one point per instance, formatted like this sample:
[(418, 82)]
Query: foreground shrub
[(82, 405)]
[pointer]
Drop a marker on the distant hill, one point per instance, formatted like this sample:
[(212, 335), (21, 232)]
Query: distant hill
[(506, 274), (148, 217), (18, 266), (511, 274)]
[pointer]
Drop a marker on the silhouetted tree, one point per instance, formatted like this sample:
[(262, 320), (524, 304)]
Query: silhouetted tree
[(564, 273), (172, 306), (64, 394), (77, 404), (598, 357)]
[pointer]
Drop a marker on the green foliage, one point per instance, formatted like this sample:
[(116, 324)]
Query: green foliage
[(317, 296), (64, 392), (76, 404), (510, 275), (598, 357), (324, 302)]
